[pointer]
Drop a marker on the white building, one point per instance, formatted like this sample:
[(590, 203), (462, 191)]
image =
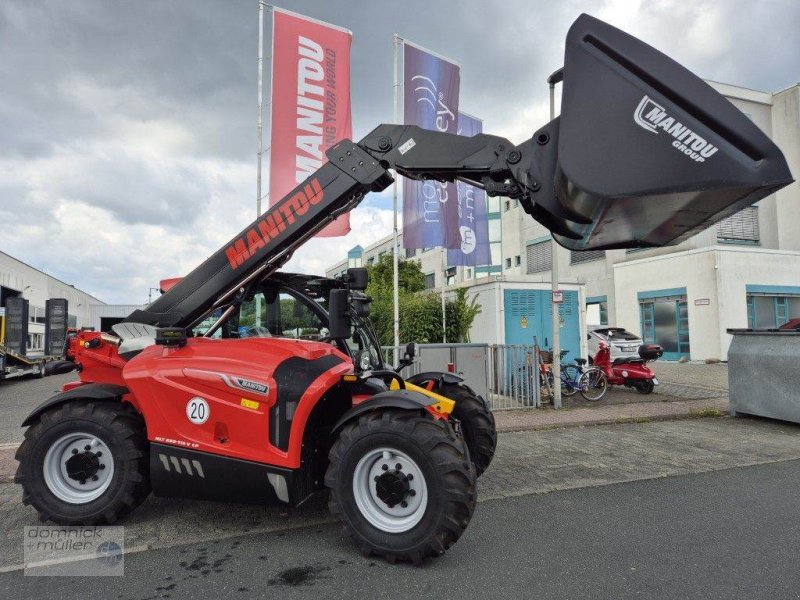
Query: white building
[(20, 279), (742, 272)]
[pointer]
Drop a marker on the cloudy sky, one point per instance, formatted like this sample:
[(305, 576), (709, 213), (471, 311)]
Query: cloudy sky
[(127, 129)]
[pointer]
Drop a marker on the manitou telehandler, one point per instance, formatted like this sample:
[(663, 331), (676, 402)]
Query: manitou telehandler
[(245, 384)]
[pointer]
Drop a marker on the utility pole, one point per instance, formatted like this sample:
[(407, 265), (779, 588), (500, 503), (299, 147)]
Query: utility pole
[(551, 82)]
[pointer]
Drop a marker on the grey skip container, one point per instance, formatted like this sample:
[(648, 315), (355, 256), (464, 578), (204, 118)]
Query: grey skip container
[(764, 373)]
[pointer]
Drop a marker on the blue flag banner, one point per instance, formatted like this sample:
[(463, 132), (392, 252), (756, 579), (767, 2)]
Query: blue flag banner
[(430, 208), (473, 221)]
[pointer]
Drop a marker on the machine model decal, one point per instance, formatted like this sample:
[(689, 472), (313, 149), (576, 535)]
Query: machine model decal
[(197, 410), (272, 225), (652, 116), (245, 384)]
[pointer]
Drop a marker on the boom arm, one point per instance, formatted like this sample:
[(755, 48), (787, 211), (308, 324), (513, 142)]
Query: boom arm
[(644, 154), (352, 171)]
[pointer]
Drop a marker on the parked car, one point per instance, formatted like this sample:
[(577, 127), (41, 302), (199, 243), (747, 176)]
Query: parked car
[(791, 325), (623, 343)]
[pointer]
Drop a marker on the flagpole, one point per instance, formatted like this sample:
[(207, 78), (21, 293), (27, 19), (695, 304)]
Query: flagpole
[(396, 249), (260, 121)]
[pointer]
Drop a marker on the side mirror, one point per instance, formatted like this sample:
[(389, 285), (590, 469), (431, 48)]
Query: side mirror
[(339, 322), (357, 278), (411, 351)]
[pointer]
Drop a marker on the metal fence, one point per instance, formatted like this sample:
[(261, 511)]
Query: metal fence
[(506, 375), (513, 377)]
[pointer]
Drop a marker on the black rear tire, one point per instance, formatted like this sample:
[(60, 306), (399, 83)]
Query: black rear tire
[(477, 424), (122, 431), (443, 462)]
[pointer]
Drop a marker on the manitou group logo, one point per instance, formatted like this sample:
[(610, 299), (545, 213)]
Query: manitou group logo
[(653, 117)]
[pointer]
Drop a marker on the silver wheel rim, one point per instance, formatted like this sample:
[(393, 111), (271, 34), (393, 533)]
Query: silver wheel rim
[(56, 474), (391, 519)]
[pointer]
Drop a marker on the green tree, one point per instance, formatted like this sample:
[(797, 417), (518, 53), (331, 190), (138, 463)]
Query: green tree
[(420, 310)]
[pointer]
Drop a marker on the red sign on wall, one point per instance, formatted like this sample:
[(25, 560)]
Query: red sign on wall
[(310, 108)]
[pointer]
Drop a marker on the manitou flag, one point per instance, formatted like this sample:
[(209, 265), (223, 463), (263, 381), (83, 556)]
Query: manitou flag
[(310, 108), (431, 83), (473, 222)]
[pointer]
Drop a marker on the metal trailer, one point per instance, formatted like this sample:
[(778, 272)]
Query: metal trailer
[(13, 364)]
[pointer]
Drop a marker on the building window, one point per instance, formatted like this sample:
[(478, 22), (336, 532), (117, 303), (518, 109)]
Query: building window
[(539, 256), (451, 275), (517, 260), (507, 205), (430, 281), (766, 311), (516, 203), (469, 273), (411, 252), (36, 314), (740, 228), (598, 314), (576, 256), (370, 261), (508, 263)]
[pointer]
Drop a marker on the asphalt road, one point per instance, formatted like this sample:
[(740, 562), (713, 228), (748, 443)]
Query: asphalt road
[(725, 534)]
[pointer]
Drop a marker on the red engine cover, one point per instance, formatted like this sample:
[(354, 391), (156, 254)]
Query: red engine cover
[(247, 398)]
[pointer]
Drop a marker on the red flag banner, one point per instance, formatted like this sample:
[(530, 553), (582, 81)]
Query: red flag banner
[(310, 108)]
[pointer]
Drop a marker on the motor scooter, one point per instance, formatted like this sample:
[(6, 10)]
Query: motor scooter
[(627, 371)]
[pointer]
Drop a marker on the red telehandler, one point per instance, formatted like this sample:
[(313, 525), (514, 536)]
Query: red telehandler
[(242, 383)]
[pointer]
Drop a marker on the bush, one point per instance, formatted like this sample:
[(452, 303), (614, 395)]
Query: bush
[(420, 310)]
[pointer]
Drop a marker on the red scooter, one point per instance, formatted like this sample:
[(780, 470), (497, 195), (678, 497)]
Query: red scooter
[(630, 372)]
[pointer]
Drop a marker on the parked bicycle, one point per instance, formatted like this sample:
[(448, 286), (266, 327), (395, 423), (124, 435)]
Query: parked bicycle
[(591, 382)]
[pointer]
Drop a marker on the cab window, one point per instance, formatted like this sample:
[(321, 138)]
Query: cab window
[(279, 314)]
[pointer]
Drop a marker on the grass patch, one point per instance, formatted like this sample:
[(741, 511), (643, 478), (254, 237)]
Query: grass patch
[(705, 412)]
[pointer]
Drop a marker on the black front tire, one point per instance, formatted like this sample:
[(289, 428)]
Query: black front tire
[(122, 430), (443, 460), (645, 387), (477, 424)]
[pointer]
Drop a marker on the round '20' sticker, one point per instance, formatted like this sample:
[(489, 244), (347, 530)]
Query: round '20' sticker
[(197, 410)]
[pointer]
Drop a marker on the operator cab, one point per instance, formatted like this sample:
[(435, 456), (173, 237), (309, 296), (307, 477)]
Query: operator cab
[(305, 307)]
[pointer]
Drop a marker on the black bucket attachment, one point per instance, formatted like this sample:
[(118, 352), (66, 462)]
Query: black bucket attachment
[(648, 153)]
